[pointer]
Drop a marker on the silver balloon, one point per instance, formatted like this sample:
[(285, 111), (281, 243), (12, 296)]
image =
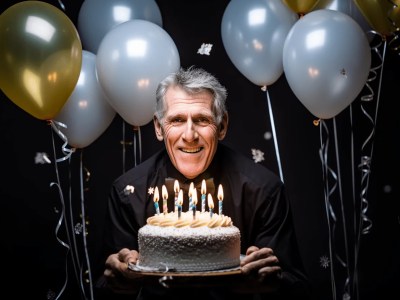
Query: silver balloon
[(87, 113), (253, 34), (132, 59), (97, 17), (326, 60), (348, 7)]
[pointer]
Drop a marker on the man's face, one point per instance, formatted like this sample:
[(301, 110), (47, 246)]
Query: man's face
[(190, 132)]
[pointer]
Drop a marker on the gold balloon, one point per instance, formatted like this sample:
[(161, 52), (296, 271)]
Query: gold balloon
[(40, 57), (382, 15), (301, 7), (394, 15)]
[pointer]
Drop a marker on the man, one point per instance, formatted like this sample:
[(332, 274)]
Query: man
[(191, 118)]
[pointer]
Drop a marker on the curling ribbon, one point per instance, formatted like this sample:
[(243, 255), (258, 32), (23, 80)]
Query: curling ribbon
[(323, 153), (60, 221), (365, 164), (67, 151), (83, 219)]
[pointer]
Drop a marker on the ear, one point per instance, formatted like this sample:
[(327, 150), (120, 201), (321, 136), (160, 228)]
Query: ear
[(158, 129), (223, 127)]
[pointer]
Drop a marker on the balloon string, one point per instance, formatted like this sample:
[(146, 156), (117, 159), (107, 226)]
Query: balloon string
[(83, 217), (123, 142), (328, 207), (346, 265), (61, 5), (137, 139), (140, 144), (365, 164), (355, 218), (365, 167), (274, 134), (61, 219), (75, 253), (66, 151), (134, 147)]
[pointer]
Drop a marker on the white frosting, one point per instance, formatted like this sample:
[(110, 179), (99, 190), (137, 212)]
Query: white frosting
[(212, 245), (186, 219)]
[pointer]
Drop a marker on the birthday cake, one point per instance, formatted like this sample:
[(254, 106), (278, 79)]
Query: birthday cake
[(188, 241)]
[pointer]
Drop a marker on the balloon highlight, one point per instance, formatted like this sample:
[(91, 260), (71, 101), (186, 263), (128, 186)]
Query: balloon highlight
[(253, 33), (326, 60), (132, 59), (87, 113), (40, 57)]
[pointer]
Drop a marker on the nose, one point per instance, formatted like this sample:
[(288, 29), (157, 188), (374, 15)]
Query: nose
[(190, 134)]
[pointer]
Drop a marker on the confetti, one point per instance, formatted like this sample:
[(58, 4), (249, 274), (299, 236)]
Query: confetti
[(205, 49), (324, 261), (42, 158), (78, 228), (129, 190), (150, 191), (258, 155)]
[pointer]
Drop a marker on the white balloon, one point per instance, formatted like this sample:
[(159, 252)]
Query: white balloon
[(97, 17), (253, 33), (326, 60), (349, 8), (87, 113), (132, 60)]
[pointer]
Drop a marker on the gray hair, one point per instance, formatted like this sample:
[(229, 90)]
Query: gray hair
[(192, 80)]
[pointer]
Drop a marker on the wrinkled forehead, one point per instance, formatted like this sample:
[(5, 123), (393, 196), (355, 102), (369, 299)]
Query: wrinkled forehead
[(177, 97)]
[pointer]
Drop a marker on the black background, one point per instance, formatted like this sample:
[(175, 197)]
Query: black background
[(35, 263)]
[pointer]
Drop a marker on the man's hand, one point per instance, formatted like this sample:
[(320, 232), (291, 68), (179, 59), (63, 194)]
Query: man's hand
[(257, 266), (261, 262), (119, 277)]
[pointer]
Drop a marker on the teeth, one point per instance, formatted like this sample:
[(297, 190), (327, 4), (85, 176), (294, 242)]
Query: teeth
[(191, 150)]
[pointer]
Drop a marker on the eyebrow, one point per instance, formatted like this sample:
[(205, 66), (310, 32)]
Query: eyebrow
[(194, 115)]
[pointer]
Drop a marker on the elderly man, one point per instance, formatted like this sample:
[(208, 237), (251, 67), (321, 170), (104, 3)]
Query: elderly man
[(191, 118)]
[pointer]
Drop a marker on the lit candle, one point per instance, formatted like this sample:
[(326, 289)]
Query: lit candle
[(176, 189), (194, 202), (203, 195), (210, 204), (155, 199), (220, 198), (165, 198), (190, 193), (180, 202)]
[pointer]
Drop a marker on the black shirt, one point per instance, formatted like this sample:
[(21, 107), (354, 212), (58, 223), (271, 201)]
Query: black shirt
[(253, 197)]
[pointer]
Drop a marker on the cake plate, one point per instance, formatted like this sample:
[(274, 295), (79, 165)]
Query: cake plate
[(226, 278), (154, 272), (195, 279)]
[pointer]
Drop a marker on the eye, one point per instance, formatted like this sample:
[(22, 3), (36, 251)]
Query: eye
[(177, 120), (203, 121)]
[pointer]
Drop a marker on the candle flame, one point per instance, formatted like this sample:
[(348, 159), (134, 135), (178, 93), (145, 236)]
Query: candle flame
[(203, 187), (194, 197), (210, 201), (176, 186), (180, 197), (164, 192), (156, 195), (220, 193), (191, 187)]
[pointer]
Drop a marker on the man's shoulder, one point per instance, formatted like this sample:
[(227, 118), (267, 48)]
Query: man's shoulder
[(235, 161)]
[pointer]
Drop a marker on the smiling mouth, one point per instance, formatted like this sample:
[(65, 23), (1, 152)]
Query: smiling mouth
[(191, 150)]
